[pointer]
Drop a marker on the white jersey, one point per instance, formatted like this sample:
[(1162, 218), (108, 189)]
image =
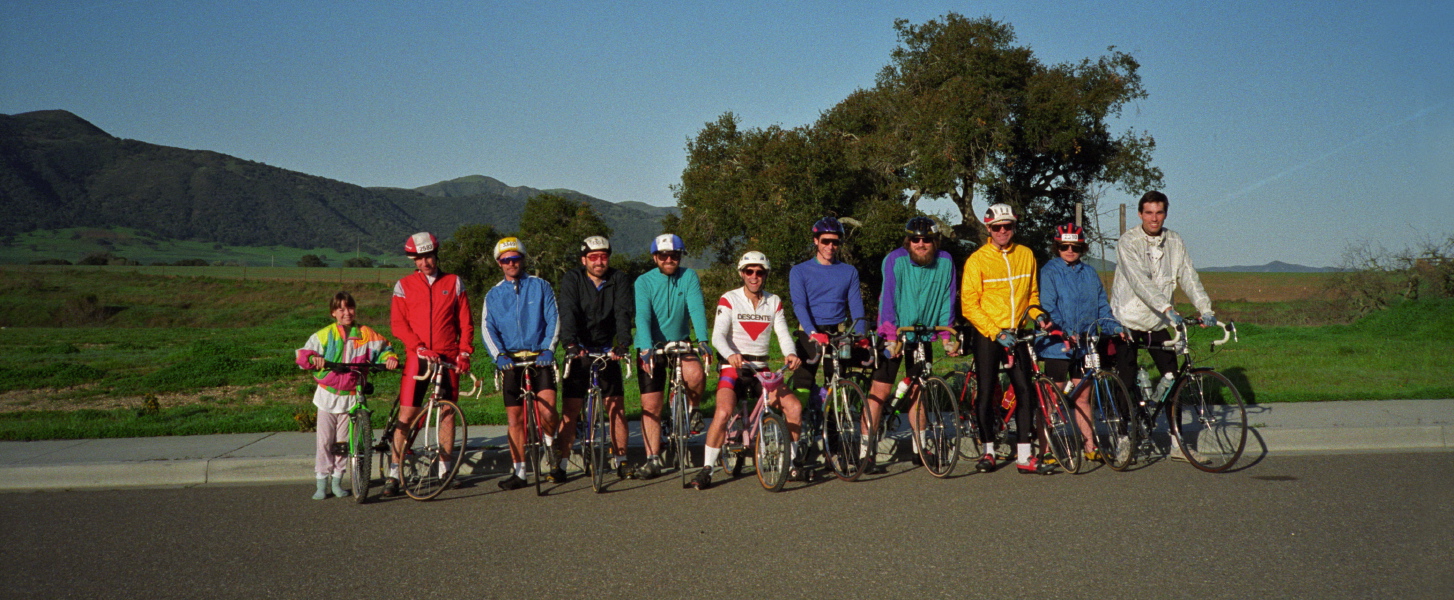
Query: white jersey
[(1148, 270), (741, 328)]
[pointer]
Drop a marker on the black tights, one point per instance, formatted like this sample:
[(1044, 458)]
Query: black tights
[(987, 356), (1126, 356)]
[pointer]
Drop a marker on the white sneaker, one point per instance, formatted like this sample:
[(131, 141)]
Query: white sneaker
[(1180, 454), (1123, 449), (442, 467)]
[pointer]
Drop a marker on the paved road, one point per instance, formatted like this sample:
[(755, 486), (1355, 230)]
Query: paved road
[(1348, 526)]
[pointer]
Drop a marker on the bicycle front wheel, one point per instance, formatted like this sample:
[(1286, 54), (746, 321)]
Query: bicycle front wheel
[(842, 429), (361, 440), (597, 446), (1110, 425), (939, 440), (681, 430), (771, 452), (964, 387), (434, 450), (1057, 425), (1211, 421)]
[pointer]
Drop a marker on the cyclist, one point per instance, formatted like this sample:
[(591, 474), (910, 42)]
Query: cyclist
[(825, 297), (596, 310), (741, 336), (918, 289), (430, 314), (519, 315), (1072, 293), (1000, 286), (1151, 263), (666, 299)]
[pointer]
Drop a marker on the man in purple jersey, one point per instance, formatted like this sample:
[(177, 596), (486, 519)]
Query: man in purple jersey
[(825, 299)]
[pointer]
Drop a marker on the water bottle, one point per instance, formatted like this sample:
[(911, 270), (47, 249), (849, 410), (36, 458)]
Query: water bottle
[(1164, 384), (1143, 383), (901, 390)]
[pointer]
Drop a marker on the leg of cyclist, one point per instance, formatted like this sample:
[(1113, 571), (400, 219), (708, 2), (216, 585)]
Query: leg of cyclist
[(792, 410), (448, 390), (805, 376), (573, 390), (1025, 408), (717, 431), (696, 384), (651, 382), (544, 379), (879, 392), (915, 368), (987, 356), (515, 422), (1060, 370)]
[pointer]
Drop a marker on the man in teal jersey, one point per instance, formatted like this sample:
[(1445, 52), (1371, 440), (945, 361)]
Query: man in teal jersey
[(665, 299)]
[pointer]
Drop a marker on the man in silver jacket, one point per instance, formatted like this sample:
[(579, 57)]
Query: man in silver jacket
[(1151, 263)]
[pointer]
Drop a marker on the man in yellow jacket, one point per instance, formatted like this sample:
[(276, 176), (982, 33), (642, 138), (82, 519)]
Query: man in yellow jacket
[(1000, 285)]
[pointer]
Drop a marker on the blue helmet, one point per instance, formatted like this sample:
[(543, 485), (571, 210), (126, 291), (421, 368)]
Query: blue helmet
[(828, 225), (922, 226), (668, 242)]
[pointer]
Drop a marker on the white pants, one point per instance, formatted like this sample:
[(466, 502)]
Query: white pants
[(332, 427)]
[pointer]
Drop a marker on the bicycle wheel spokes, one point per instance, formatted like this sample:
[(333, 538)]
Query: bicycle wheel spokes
[(1211, 421), (1057, 425), (681, 430), (597, 446), (842, 429), (939, 414), (967, 395), (1113, 430), (361, 441), (420, 468), (771, 453)]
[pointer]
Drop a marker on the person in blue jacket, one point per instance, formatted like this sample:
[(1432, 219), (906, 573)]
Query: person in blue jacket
[(1072, 292), (520, 315)]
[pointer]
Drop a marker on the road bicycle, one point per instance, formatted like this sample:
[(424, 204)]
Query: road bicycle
[(594, 429), (841, 423), (763, 430), (676, 431), (435, 442), (535, 449), (1106, 422), (1205, 416), (935, 427), (359, 447)]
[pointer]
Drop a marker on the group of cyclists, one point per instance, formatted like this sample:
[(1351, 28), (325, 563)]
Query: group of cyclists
[(598, 307)]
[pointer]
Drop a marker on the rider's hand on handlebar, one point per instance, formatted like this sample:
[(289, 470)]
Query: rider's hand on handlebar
[(735, 360), (503, 362), (1209, 320), (1176, 319), (545, 359), (1005, 338), (462, 363), (428, 354), (574, 350), (316, 361), (1043, 321), (391, 363), (619, 352), (820, 337)]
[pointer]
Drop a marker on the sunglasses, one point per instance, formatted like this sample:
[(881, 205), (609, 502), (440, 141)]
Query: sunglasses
[(598, 257), (509, 260), (830, 241), (921, 239), (1072, 248), (754, 272), (669, 255), (1003, 227)]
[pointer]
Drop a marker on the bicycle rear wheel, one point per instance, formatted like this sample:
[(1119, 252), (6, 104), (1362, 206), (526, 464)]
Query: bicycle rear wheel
[(1110, 424), (1211, 420), (842, 429), (1057, 425), (771, 452), (681, 430), (534, 444), (938, 445), (967, 394), (434, 450), (361, 440), (597, 437)]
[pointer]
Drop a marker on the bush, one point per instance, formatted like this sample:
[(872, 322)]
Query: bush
[(311, 260), (360, 262), (51, 261)]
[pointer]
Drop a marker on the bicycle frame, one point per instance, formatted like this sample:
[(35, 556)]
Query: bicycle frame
[(586, 429), (534, 446)]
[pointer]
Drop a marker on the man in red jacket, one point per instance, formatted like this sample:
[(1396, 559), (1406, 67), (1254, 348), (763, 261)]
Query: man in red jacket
[(430, 314)]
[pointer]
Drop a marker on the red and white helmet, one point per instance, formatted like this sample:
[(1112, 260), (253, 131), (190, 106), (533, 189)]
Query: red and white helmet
[(420, 243), (1070, 233)]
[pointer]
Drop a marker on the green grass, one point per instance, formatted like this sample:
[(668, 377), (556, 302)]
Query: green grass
[(75, 243)]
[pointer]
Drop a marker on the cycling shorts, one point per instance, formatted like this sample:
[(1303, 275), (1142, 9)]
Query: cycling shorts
[(411, 391), (888, 368), (512, 384), (579, 382), (656, 381)]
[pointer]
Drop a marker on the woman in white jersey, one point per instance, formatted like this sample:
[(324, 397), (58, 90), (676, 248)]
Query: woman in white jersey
[(746, 319)]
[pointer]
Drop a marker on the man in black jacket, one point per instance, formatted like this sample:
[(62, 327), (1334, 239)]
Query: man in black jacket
[(597, 310)]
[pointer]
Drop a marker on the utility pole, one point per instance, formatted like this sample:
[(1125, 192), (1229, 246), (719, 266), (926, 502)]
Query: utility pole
[(1078, 219), (1123, 221)]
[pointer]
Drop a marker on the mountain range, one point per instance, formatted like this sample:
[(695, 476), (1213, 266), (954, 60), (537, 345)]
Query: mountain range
[(59, 171), (1275, 266)]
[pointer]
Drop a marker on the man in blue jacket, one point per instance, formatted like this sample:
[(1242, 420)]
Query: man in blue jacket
[(825, 299), (520, 316)]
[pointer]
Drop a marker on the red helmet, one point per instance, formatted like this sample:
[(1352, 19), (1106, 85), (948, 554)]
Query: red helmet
[(1070, 233), (420, 243)]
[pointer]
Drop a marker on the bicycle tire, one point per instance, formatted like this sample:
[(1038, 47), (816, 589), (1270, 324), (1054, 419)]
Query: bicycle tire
[(1211, 420), (534, 443), (732, 442), (421, 469), (1110, 422), (597, 442), (938, 447), (681, 431), (770, 452), (843, 429), (361, 439), (968, 398), (1057, 425)]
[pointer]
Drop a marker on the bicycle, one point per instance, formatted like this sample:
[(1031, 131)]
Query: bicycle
[(763, 430), (594, 429), (359, 446), (1106, 423), (1205, 415), (841, 408), (934, 423), (678, 430), (535, 448), (436, 441)]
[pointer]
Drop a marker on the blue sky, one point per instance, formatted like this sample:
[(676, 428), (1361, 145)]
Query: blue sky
[(1286, 130)]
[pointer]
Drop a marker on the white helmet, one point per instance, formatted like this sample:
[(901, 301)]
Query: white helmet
[(595, 243), (509, 244), (754, 258)]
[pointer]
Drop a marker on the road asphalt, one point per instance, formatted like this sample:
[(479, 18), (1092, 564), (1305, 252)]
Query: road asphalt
[(1276, 429)]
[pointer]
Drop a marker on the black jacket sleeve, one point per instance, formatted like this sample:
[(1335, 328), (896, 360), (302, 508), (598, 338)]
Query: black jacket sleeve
[(570, 308), (625, 303)]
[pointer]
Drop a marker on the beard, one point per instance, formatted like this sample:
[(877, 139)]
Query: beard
[(924, 258)]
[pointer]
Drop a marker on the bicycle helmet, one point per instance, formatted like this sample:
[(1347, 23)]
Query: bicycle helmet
[(922, 226), (508, 244), (754, 258), (668, 242), (595, 243), (828, 225), (420, 243), (999, 213), (1070, 233)]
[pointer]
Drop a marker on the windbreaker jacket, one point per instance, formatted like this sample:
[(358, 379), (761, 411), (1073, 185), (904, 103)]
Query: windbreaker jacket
[(1075, 298), (664, 305), (593, 317), (434, 316), (916, 295), (741, 328), (359, 344), (999, 287), (1148, 270), (520, 315)]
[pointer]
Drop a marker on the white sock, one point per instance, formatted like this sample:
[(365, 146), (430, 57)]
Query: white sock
[(710, 457), (617, 460), (443, 467), (793, 451), (520, 470), (549, 441), (564, 462), (989, 448), (1022, 454), (394, 470)]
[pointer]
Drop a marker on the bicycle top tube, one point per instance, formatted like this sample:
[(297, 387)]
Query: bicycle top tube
[(338, 367)]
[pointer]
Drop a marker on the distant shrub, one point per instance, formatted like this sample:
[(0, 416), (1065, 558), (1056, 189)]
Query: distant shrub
[(51, 261), (191, 262), (210, 363), (96, 259), (361, 262), (311, 260), (58, 375)]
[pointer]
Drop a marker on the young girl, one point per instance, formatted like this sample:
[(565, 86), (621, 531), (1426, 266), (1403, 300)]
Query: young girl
[(343, 342)]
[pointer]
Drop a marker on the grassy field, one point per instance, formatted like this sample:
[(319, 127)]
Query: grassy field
[(75, 243), (86, 347)]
